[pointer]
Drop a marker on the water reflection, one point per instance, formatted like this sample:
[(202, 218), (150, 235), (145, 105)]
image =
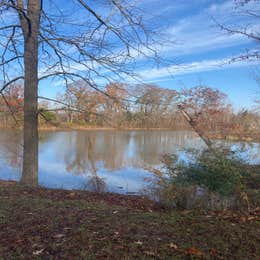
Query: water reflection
[(118, 149), (103, 160), (10, 154)]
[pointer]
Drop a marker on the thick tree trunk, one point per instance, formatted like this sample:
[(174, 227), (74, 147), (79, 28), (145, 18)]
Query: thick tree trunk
[(30, 25)]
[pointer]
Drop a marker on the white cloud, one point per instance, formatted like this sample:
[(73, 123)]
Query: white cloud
[(200, 33), (188, 68)]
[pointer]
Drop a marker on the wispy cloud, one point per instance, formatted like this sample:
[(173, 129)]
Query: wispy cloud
[(188, 68), (199, 33)]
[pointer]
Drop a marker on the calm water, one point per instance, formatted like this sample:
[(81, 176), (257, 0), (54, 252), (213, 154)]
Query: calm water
[(116, 161)]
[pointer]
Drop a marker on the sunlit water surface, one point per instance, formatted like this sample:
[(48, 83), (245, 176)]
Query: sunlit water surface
[(114, 161)]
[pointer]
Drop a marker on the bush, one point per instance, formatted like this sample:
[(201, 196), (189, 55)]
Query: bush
[(219, 172), (211, 176)]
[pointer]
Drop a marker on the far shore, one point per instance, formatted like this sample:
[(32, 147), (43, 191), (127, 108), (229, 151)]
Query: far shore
[(97, 128), (86, 128), (247, 137)]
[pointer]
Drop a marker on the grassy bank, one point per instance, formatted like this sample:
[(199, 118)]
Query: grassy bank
[(76, 224)]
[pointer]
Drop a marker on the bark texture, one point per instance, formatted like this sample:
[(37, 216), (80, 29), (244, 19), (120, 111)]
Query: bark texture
[(30, 20)]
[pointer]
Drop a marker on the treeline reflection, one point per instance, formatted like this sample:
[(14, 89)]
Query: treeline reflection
[(91, 155), (87, 151)]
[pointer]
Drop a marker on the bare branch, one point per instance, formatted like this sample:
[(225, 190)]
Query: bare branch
[(10, 60), (242, 32), (10, 82), (10, 108)]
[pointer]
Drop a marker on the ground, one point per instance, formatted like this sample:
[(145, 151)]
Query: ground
[(56, 224)]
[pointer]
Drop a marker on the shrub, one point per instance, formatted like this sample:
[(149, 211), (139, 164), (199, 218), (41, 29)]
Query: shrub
[(210, 176), (218, 171)]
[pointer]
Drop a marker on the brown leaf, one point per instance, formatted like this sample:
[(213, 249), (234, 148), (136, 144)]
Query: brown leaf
[(193, 251), (252, 217), (72, 194), (213, 251)]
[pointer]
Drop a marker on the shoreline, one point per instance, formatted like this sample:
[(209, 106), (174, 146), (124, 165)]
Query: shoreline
[(252, 137), (106, 129), (133, 201), (236, 137)]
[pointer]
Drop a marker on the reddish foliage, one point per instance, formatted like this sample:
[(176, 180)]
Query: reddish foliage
[(207, 107), (14, 96)]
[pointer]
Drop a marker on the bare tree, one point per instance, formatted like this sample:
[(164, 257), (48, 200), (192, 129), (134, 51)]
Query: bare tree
[(94, 41), (155, 105), (248, 10)]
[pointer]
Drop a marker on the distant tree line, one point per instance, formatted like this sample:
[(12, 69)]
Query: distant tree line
[(121, 105)]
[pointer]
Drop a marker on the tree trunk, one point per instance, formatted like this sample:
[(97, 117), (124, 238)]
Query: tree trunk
[(30, 25)]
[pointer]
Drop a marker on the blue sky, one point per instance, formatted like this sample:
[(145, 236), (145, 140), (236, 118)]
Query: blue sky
[(198, 51), (202, 50), (195, 51)]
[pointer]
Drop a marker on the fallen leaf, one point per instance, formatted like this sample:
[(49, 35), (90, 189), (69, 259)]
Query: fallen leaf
[(59, 236), (193, 251), (67, 228), (251, 218), (213, 251), (242, 219), (172, 245), (38, 252), (149, 253)]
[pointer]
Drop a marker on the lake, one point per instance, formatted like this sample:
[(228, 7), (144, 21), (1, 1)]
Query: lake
[(115, 161)]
